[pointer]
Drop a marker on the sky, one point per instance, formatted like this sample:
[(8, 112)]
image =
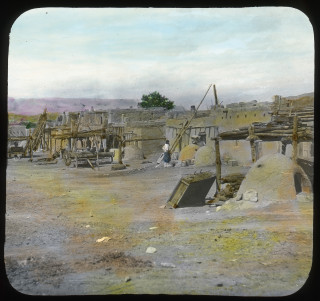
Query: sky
[(119, 53)]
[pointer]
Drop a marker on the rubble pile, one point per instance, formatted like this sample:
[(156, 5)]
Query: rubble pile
[(233, 182)]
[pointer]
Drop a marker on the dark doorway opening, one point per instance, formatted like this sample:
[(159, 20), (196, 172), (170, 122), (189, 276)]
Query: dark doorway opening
[(297, 182)]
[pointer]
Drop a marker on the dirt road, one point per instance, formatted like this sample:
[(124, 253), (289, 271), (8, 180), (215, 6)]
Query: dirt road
[(55, 215)]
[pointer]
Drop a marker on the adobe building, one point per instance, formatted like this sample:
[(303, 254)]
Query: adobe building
[(144, 128), (241, 115), (209, 123)]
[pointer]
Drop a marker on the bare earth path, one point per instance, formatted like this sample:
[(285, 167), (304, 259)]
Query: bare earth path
[(56, 214)]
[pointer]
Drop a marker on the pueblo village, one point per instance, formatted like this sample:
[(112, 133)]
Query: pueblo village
[(94, 206), (160, 151)]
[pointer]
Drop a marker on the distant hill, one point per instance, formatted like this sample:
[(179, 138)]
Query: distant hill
[(34, 106), (305, 95), (303, 100), (19, 118)]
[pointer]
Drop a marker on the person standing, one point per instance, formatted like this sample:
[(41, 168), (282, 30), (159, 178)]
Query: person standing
[(166, 156)]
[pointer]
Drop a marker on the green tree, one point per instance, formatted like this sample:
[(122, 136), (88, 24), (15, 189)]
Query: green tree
[(155, 99), (30, 125)]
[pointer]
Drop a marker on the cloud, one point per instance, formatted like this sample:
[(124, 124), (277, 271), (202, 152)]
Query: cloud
[(124, 53)]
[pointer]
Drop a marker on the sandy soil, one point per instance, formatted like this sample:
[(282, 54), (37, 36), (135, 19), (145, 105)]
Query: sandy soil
[(55, 215)]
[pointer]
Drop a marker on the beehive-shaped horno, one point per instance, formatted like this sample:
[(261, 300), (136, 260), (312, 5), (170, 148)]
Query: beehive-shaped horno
[(275, 177)]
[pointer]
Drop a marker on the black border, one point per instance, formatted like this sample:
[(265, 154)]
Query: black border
[(9, 12)]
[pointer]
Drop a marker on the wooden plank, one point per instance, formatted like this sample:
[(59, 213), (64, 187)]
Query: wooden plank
[(90, 164), (218, 164)]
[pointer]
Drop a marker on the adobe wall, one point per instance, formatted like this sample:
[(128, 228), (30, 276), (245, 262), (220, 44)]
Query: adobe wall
[(148, 130), (132, 115), (240, 150), (234, 116)]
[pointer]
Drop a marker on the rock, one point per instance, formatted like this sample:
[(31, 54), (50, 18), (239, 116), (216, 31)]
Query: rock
[(127, 279), (151, 250), (250, 195), (238, 197), (106, 238), (167, 265), (304, 197)]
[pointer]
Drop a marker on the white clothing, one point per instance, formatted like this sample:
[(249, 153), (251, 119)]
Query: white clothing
[(165, 148)]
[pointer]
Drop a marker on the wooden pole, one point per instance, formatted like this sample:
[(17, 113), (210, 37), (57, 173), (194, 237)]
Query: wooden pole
[(215, 95), (283, 147), (97, 150), (31, 151), (253, 151), (252, 144), (295, 139), (186, 125), (120, 150), (218, 164), (50, 142)]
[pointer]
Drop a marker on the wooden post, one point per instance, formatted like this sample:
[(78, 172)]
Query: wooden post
[(120, 150), (31, 151), (284, 143), (218, 163), (50, 142), (283, 147), (252, 143), (97, 150), (253, 150), (295, 139)]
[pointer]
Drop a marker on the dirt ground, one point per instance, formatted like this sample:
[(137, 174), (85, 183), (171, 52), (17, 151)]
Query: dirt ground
[(55, 215)]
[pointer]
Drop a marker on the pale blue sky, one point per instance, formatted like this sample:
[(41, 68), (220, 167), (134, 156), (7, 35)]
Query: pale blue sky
[(249, 53)]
